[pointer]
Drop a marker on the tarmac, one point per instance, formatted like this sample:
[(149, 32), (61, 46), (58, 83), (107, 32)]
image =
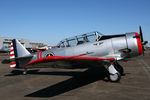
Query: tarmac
[(76, 84)]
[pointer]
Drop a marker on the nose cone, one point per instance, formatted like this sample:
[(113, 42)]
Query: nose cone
[(139, 44)]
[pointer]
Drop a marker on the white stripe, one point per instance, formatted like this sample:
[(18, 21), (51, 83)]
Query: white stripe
[(12, 56), (11, 44), (12, 52), (11, 48), (14, 65)]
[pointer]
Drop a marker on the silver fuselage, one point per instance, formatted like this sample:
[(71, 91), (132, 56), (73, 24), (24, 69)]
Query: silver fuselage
[(117, 46)]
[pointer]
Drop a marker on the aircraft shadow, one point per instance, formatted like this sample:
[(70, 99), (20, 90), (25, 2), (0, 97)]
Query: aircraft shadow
[(36, 72), (79, 79), (20, 72)]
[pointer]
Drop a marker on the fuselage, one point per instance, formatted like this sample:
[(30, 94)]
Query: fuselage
[(119, 46)]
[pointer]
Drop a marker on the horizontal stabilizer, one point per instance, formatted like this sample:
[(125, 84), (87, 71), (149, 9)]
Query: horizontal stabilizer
[(7, 61)]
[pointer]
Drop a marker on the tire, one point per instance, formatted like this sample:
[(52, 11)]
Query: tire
[(24, 73), (114, 77)]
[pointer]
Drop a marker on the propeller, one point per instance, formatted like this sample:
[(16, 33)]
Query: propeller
[(142, 40), (141, 34)]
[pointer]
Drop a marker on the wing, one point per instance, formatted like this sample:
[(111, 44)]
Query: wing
[(122, 54), (72, 58)]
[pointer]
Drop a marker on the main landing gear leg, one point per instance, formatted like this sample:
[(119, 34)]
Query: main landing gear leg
[(25, 71), (119, 68), (114, 75)]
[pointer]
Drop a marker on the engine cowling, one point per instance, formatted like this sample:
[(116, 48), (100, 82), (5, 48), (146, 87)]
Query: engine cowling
[(134, 44)]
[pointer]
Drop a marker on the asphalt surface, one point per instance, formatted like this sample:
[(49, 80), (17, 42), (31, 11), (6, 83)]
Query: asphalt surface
[(76, 84)]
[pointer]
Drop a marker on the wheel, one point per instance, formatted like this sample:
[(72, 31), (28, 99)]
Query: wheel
[(119, 68), (24, 73), (114, 77)]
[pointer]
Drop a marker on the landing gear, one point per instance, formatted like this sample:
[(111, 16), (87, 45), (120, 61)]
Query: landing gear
[(119, 68), (25, 71), (114, 75)]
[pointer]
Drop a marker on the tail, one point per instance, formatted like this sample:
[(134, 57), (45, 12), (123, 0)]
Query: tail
[(17, 51)]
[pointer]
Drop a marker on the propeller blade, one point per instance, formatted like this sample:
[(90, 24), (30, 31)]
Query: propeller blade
[(141, 34), (141, 37)]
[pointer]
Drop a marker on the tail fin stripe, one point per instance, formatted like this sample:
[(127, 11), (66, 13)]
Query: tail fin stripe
[(12, 55), (13, 64), (12, 50)]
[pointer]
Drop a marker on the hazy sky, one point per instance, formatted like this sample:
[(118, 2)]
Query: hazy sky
[(50, 21)]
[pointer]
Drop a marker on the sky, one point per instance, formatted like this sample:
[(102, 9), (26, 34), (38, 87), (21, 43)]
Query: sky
[(49, 21)]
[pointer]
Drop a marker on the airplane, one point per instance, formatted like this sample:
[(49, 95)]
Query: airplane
[(5, 50), (43, 48), (82, 51)]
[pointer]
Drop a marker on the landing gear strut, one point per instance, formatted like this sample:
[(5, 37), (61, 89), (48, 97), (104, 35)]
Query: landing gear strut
[(119, 68), (114, 75), (25, 71)]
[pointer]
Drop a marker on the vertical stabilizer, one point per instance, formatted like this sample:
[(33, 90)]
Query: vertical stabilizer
[(17, 50)]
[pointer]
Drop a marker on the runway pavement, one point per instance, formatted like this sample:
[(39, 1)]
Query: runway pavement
[(76, 84)]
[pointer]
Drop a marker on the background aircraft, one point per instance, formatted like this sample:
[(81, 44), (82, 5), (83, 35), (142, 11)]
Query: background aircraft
[(81, 52), (43, 48), (4, 50)]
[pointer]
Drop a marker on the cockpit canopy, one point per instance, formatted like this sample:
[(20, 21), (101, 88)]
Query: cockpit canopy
[(80, 39)]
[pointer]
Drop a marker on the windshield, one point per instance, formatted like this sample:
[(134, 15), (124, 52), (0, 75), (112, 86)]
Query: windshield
[(80, 39)]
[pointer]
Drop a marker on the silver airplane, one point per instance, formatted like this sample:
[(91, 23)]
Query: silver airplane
[(82, 51), (5, 50)]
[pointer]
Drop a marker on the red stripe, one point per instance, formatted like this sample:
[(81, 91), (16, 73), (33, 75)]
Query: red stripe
[(50, 58), (111, 59), (87, 58), (11, 45), (12, 50), (140, 49), (12, 63), (11, 54), (79, 55), (40, 54)]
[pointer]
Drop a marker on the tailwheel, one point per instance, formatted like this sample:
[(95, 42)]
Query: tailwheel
[(114, 75), (25, 71)]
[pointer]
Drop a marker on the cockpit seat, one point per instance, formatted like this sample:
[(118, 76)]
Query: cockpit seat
[(80, 42)]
